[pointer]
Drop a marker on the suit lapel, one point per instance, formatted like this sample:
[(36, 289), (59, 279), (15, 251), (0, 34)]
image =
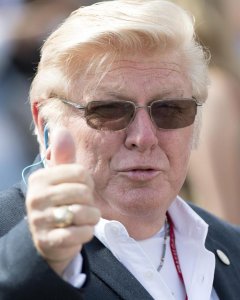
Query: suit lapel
[(105, 266), (226, 278)]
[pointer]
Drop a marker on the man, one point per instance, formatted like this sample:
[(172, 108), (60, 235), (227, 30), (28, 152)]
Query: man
[(116, 102)]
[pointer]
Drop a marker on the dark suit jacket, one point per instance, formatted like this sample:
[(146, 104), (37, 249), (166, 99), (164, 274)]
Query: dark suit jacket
[(24, 275)]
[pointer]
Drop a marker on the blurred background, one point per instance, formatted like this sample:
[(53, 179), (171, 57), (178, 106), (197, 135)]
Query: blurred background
[(214, 171)]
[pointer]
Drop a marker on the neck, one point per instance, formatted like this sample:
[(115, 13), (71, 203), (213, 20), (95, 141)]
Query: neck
[(140, 228)]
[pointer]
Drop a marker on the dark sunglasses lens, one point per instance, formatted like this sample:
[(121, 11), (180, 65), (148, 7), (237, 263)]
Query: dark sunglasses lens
[(109, 115), (173, 114)]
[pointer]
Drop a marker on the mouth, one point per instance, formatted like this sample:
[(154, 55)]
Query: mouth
[(140, 173)]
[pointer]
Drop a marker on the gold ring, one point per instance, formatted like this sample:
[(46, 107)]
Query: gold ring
[(63, 216)]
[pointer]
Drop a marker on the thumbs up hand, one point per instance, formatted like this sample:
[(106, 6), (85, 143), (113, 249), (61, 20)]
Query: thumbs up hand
[(60, 207)]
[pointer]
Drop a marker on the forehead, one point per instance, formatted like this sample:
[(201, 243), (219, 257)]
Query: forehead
[(142, 76)]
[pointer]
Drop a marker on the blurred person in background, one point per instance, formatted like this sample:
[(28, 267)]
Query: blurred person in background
[(230, 11), (214, 169), (14, 146), (23, 26), (117, 103)]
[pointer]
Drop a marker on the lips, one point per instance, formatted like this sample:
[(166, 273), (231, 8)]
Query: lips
[(139, 168), (140, 173)]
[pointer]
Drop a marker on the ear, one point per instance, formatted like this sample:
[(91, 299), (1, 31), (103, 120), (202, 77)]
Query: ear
[(38, 121)]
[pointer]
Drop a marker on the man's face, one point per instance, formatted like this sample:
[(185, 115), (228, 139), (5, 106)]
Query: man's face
[(137, 171)]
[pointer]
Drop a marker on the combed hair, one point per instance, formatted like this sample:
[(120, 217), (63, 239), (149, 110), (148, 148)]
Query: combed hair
[(95, 36)]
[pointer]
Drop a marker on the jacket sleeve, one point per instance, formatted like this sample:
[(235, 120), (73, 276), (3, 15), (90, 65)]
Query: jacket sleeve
[(24, 274)]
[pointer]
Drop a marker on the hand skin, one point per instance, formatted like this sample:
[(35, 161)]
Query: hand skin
[(62, 182)]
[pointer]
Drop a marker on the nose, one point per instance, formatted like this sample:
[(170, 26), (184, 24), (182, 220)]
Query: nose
[(141, 133)]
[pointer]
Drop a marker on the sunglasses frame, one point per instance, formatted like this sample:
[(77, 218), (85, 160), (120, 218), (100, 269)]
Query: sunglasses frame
[(83, 107)]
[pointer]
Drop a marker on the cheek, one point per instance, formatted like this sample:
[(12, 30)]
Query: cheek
[(177, 145)]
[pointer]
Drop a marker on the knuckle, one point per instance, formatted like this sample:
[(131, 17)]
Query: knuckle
[(35, 220), (39, 219), (33, 201), (37, 199)]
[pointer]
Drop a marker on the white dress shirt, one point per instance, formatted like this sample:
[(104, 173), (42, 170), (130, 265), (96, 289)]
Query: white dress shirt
[(142, 258)]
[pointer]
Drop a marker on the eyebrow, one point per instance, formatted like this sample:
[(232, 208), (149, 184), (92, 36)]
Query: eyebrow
[(123, 96)]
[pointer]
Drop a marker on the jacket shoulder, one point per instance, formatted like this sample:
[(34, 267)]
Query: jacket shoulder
[(12, 208)]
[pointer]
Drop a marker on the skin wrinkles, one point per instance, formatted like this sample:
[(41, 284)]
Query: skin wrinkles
[(89, 89), (138, 201), (109, 95), (134, 63)]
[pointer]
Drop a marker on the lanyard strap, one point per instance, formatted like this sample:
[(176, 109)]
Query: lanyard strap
[(174, 251)]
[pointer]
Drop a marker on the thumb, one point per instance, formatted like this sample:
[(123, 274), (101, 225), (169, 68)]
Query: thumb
[(63, 150)]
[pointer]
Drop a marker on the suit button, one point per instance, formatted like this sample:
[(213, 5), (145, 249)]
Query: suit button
[(148, 275)]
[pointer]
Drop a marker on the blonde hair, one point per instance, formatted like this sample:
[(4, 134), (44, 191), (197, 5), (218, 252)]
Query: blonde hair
[(93, 37)]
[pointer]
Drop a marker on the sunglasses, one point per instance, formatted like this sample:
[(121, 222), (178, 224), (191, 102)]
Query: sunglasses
[(117, 115)]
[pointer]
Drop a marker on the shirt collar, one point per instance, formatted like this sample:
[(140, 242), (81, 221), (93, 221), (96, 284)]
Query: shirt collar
[(187, 223)]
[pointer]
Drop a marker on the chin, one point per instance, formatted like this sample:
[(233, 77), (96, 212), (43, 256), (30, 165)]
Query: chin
[(141, 202)]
